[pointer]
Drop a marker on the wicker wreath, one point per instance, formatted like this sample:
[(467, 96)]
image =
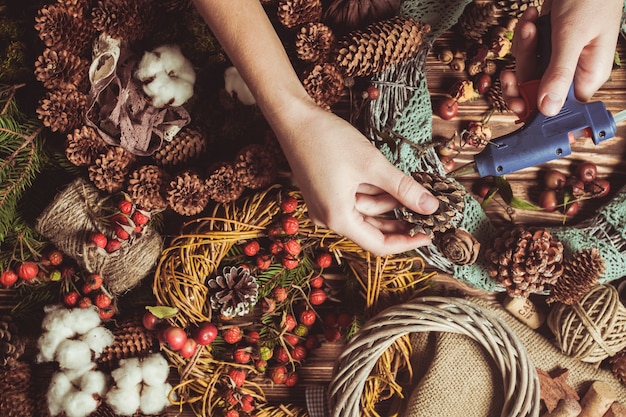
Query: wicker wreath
[(439, 314)]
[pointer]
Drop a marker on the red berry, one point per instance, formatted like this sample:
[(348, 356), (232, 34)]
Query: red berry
[(317, 282), (232, 413), (332, 334), (102, 300), (71, 299), (106, 313), (483, 83), (140, 217), (99, 240), (278, 374), (113, 245), (448, 108), (281, 354), (289, 262), (273, 232), (125, 206), (84, 302), (548, 200), (92, 283), (230, 397), (293, 247), (27, 271), (373, 93), (288, 322), (119, 219), (344, 320), (251, 248), (55, 257), (189, 348), (317, 297), (554, 179), (233, 335), (598, 188), (308, 317), (323, 260), (299, 353), (242, 355), (205, 333), (175, 337), (121, 233), (8, 278), (253, 337), (247, 403), (292, 379), (448, 163), (587, 171), (312, 342), (289, 225), (576, 186), (280, 294), (291, 339), (330, 320), (276, 247), (571, 208), (268, 305), (238, 376), (263, 262), (150, 321), (289, 204)]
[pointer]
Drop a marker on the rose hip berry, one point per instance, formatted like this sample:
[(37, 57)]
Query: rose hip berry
[(55, 257), (323, 260), (317, 297), (289, 225), (278, 374), (27, 271), (125, 206), (373, 93), (233, 335), (238, 376), (8, 278), (71, 299), (289, 204), (308, 317), (299, 353), (99, 240), (251, 248), (263, 262), (280, 294), (292, 247), (288, 322), (102, 300)]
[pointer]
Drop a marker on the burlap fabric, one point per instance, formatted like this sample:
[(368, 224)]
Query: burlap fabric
[(457, 378)]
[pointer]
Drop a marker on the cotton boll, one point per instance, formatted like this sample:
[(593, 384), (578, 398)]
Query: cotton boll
[(164, 91), (76, 375), (60, 385), (154, 398), (55, 321), (175, 64), (79, 404), (48, 343), (155, 369), (124, 401), (149, 66), (128, 374), (94, 382), (235, 84), (73, 354), (83, 319), (98, 338)]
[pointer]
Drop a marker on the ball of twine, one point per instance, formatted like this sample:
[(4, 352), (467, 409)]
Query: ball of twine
[(592, 329), (80, 210)]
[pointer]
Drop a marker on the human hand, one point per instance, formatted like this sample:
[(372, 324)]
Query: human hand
[(348, 184), (584, 37)]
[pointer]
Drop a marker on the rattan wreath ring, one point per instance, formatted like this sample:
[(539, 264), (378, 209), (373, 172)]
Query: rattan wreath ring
[(425, 314)]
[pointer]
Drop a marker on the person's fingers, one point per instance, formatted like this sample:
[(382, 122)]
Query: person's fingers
[(374, 205), (559, 75), (406, 190), (511, 93), (387, 225), (524, 46)]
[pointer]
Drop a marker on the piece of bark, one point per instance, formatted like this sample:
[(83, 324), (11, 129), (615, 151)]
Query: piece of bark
[(553, 387)]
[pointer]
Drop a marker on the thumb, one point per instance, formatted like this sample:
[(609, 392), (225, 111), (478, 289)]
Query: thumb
[(558, 78)]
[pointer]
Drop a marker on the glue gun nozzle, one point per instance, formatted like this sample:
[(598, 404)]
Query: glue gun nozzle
[(467, 169)]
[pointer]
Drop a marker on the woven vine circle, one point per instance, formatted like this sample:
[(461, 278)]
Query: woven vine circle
[(425, 314)]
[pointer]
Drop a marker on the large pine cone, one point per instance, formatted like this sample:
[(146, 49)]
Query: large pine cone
[(147, 187), (495, 98), (108, 173), (187, 194), (186, 146), (12, 346), (515, 8), (580, 274), (476, 20), (314, 42), (255, 166), (131, 340), (233, 292), (324, 83), (128, 20), (293, 13), (354, 14), (451, 203), (525, 259), (62, 110), (15, 385), (224, 184), (63, 28), (61, 70), (379, 46), (84, 145)]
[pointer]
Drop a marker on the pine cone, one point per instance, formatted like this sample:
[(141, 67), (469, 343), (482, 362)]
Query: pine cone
[(476, 20), (224, 184), (525, 259), (131, 340), (62, 110), (255, 166), (15, 385), (354, 14), (292, 13), (458, 246), (174, 5), (495, 98), (379, 46), (580, 274), (63, 28), (233, 292), (187, 194), (84, 145), (324, 83), (314, 42), (12, 346), (515, 8), (618, 366), (61, 70), (108, 173), (186, 146), (147, 187), (451, 202), (127, 20)]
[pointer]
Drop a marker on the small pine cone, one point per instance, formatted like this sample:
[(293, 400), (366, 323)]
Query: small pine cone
[(84, 145), (324, 83), (62, 27), (255, 166), (173, 5), (109, 171), (495, 98), (233, 292), (187, 194), (146, 187), (224, 184), (350, 15), (451, 203), (293, 13), (618, 366), (131, 340), (524, 260), (458, 246), (314, 42), (61, 70), (186, 146), (515, 8), (12, 346), (379, 46), (580, 274), (127, 20), (476, 20), (62, 110), (15, 385)]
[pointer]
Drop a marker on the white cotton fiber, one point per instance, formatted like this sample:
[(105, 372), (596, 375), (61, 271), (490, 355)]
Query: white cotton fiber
[(47, 344), (79, 404), (73, 354), (97, 339), (83, 319), (155, 369), (59, 387), (233, 83), (154, 398), (129, 374), (94, 382), (124, 401)]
